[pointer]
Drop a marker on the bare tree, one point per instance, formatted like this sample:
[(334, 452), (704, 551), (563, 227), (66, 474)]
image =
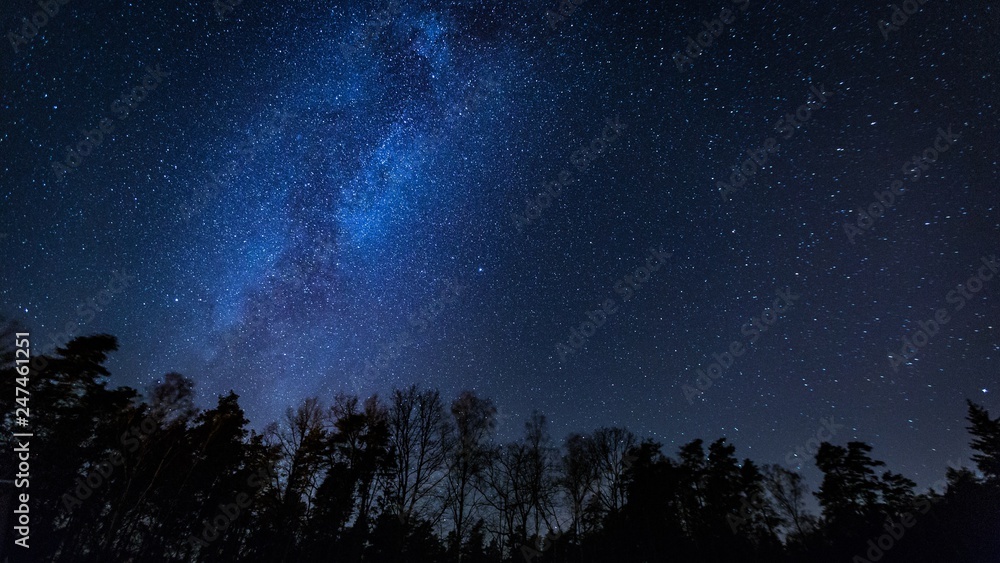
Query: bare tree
[(419, 429), (360, 439), (475, 420), (501, 494), (578, 478), (301, 442), (537, 476), (611, 446), (520, 487), (789, 492)]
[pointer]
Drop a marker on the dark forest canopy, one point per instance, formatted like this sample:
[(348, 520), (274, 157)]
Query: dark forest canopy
[(417, 477)]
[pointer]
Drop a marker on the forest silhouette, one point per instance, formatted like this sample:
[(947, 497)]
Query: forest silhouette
[(415, 477)]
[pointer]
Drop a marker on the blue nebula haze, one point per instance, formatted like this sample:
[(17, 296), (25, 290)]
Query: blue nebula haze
[(299, 197)]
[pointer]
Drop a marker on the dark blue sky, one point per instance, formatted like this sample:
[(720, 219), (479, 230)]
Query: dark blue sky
[(317, 198)]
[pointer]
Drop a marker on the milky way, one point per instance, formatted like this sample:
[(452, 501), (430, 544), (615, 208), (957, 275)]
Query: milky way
[(332, 197)]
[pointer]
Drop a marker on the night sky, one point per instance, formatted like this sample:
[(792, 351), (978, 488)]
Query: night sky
[(313, 197)]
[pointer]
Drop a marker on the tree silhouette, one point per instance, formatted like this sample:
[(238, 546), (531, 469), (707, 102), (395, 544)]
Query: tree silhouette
[(474, 423), (986, 440), (120, 477)]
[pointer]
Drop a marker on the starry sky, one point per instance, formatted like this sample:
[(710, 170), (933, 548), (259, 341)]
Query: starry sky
[(302, 198)]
